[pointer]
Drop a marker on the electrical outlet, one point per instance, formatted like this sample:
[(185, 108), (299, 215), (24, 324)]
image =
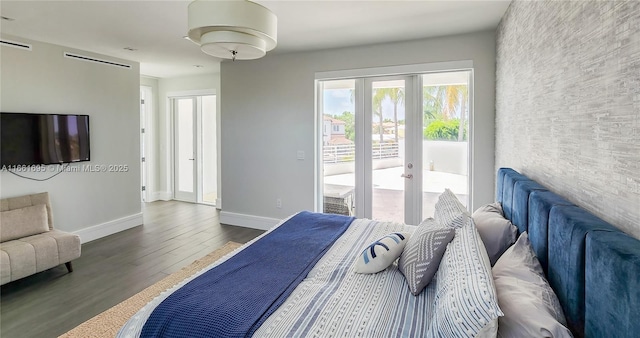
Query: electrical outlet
[(279, 203)]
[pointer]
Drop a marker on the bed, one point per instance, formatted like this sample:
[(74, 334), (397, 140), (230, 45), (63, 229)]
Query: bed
[(593, 267), (305, 275)]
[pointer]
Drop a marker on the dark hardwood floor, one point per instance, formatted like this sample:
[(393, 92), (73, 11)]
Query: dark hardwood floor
[(114, 268)]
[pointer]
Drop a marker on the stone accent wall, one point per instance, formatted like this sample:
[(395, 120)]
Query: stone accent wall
[(568, 102)]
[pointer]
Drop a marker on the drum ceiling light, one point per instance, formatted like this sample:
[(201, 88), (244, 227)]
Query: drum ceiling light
[(236, 30)]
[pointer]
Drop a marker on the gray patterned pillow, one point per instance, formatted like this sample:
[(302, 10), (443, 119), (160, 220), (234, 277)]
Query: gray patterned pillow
[(448, 208), (422, 254)]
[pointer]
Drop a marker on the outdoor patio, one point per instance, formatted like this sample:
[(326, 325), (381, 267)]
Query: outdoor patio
[(388, 186)]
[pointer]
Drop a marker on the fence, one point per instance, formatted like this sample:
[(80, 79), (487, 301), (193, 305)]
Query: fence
[(346, 152)]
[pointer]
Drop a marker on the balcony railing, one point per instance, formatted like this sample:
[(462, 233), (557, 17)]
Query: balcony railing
[(347, 152)]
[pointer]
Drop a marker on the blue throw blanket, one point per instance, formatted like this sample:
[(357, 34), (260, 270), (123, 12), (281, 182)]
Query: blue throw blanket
[(235, 298)]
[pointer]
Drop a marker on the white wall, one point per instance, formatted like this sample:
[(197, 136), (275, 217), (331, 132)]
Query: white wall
[(267, 115), (188, 84), (92, 204), (446, 156)]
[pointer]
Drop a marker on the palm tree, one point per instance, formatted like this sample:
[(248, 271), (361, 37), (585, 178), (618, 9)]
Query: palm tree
[(457, 95), (378, 97), (432, 101), (445, 100), (463, 92), (396, 95)]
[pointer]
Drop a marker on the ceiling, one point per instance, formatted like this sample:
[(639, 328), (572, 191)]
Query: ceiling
[(156, 29)]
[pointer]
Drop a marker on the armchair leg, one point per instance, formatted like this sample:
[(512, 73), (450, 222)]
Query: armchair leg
[(69, 266)]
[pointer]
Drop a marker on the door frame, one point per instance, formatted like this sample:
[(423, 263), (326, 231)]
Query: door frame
[(414, 71), (170, 131), (146, 146)]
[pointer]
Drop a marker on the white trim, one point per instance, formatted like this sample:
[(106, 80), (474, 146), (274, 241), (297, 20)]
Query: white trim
[(364, 162), (471, 142), (199, 92), (248, 221), (395, 70), (161, 196), (318, 166), (109, 228), (146, 122), (219, 203)]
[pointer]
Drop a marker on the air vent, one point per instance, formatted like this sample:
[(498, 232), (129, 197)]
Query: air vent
[(91, 59), (14, 44)]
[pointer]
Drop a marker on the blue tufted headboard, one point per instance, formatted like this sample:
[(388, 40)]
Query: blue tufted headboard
[(593, 267)]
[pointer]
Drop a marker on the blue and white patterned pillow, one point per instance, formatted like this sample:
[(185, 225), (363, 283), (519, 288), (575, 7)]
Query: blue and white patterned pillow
[(381, 253), (448, 208), (466, 299), (421, 257)]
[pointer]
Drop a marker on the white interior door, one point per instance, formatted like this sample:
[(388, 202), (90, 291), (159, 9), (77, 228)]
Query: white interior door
[(185, 172)]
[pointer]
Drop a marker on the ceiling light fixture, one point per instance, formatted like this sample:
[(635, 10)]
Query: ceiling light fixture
[(236, 30)]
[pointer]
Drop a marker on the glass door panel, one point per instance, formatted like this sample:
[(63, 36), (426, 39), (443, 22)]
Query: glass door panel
[(209, 150), (445, 149), (388, 150), (185, 137), (337, 107)]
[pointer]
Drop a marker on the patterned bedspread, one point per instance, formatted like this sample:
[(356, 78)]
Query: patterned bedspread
[(334, 301)]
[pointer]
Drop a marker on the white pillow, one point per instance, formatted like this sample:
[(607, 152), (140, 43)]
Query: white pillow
[(531, 308), (497, 232), (448, 208), (466, 302), (381, 253)]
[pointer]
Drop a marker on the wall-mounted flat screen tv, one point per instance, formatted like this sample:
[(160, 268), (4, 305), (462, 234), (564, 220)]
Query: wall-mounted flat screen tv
[(33, 139)]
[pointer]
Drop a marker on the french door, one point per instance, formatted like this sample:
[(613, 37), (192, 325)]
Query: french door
[(389, 161), (379, 157), (186, 165), (195, 149)]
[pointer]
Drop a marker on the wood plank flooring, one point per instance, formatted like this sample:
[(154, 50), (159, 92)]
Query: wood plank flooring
[(113, 269)]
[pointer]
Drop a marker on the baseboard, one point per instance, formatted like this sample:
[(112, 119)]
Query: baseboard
[(109, 228), (219, 203), (248, 221), (162, 196)]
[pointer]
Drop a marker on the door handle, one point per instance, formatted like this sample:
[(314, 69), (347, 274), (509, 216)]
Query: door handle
[(407, 176), (192, 159)]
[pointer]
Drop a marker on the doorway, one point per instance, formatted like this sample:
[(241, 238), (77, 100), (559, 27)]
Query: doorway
[(195, 149), (391, 145)]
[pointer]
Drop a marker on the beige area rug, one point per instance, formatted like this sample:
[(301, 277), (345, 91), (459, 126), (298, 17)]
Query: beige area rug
[(109, 322)]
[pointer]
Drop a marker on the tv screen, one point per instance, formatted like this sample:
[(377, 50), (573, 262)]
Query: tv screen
[(33, 139)]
